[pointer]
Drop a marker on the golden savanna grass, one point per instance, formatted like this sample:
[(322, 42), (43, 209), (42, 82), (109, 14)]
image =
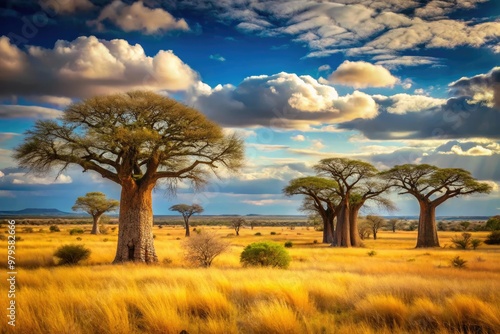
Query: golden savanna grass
[(325, 290)]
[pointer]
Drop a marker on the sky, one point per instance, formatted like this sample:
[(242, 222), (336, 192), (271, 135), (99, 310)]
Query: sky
[(388, 82)]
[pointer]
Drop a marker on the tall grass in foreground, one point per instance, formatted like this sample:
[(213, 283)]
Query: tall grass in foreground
[(326, 290)]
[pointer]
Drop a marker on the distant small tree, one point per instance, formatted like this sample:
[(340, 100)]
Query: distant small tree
[(202, 248), (187, 211), (364, 230), (95, 204), (493, 224), (237, 223), (375, 222), (393, 224)]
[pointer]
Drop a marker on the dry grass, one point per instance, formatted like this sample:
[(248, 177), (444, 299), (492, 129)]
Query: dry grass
[(326, 290)]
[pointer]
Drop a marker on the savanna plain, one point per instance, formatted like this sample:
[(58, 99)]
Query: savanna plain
[(387, 286)]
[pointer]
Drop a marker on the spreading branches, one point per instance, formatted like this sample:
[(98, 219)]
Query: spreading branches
[(138, 137)]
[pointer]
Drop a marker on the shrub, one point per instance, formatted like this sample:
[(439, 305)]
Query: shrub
[(288, 244), (54, 228), (28, 230), (76, 231), (72, 254), (475, 243), (458, 262), (79, 239), (372, 253), (463, 242), (202, 248), (265, 254), (273, 233), (493, 238), (258, 234), (3, 237)]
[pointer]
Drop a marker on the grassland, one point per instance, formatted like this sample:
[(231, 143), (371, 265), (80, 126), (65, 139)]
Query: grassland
[(326, 290)]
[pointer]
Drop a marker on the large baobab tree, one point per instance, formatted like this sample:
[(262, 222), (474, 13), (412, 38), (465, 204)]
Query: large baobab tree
[(368, 190), (432, 186), (347, 173), (95, 204), (320, 197), (134, 139), (187, 211)]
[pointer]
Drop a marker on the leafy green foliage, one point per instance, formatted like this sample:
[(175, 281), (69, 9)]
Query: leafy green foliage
[(95, 204), (493, 224), (265, 254), (54, 228), (72, 254), (76, 231), (493, 238)]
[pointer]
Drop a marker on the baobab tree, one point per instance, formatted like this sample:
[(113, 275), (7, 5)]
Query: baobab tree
[(319, 197), (136, 140), (432, 186), (368, 190), (187, 211), (347, 173), (95, 204)]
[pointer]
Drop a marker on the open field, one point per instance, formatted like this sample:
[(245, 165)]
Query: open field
[(325, 290)]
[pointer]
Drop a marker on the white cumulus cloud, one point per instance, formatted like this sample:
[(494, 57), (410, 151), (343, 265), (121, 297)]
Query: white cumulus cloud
[(137, 17), (361, 74)]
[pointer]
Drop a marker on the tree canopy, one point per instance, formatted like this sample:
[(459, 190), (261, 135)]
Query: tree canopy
[(432, 186), (134, 139), (138, 137)]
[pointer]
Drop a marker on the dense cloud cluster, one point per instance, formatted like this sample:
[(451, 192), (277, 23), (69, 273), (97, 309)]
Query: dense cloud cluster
[(88, 66), (283, 100)]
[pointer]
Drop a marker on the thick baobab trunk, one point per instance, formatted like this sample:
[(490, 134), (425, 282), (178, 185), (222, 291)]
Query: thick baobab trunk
[(95, 225), (353, 225), (135, 235), (186, 225), (328, 228), (342, 236), (427, 231)]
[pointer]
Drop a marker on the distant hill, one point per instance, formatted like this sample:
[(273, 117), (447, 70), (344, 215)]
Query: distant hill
[(36, 212)]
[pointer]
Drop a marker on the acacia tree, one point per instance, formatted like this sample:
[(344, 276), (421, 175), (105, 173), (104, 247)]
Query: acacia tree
[(393, 224), (237, 223), (134, 139), (375, 223), (432, 186), (187, 211), (347, 173), (95, 204), (320, 198)]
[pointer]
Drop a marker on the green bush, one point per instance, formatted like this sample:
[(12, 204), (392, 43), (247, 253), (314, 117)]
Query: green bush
[(265, 254), (72, 254), (288, 244), (76, 231), (54, 228), (372, 253), (258, 234), (493, 238)]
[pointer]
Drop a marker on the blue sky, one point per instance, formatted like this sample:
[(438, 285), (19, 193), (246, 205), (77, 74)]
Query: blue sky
[(389, 82)]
